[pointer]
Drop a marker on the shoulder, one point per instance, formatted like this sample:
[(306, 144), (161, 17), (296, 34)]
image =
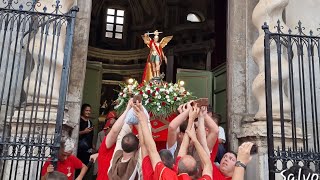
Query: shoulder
[(73, 158)]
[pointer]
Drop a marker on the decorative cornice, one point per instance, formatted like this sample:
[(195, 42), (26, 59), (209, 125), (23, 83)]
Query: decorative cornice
[(121, 67), (118, 55), (111, 82), (123, 72)]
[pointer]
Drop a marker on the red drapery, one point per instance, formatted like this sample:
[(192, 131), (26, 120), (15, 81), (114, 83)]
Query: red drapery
[(160, 130)]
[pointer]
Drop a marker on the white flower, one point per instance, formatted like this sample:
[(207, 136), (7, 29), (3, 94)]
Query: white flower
[(175, 94), (167, 96), (158, 104), (125, 89), (188, 93), (157, 93), (159, 97), (121, 94), (168, 100), (167, 92), (162, 89), (124, 95), (158, 109), (178, 98), (145, 96), (170, 89)]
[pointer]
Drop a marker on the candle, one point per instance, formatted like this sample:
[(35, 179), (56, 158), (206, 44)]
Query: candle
[(182, 89), (130, 82)]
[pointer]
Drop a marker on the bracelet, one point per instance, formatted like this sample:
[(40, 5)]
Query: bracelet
[(240, 164)]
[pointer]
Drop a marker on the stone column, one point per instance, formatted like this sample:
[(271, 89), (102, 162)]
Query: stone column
[(245, 79), (241, 69), (78, 65), (269, 12)]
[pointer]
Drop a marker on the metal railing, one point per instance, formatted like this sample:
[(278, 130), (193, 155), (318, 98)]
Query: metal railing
[(292, 72), (35, 53)]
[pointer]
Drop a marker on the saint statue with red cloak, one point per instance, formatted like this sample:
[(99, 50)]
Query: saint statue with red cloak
[(156, 55)]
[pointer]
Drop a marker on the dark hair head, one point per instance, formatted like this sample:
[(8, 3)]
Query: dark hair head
[(187, 164), (55, 175), (83, 107), (166, 158), (295, 169), (183, 126), (130, 143)]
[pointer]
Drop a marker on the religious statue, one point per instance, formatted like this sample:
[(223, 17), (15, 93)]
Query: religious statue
[(156, 55)]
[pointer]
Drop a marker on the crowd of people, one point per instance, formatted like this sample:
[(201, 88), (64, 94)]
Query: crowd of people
[(193, 145)]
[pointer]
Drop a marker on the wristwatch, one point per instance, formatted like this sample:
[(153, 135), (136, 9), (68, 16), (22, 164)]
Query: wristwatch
[(240, 164)]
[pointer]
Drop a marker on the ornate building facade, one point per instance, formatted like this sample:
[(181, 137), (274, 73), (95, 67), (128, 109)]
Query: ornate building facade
[(211, 38)]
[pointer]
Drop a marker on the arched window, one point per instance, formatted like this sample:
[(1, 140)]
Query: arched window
[(192, 17), (114, 23)]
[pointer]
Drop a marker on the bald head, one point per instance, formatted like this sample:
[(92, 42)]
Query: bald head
[(187, 164)]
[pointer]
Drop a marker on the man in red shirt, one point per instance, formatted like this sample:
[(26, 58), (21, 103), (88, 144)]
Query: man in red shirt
[(67, 163), (187, 166), (161, 172), (108, 145)]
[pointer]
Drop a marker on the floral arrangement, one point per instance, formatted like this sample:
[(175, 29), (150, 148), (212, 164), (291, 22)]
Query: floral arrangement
[(161, 100)]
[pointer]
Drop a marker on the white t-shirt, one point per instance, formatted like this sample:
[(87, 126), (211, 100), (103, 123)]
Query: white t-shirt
[(222, 135), (173, 148)]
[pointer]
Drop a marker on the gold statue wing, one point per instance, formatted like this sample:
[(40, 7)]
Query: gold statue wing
[(146, 39), (165, 41)]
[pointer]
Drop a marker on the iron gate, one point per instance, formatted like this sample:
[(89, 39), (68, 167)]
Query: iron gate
[(292, 73), (35, 52)]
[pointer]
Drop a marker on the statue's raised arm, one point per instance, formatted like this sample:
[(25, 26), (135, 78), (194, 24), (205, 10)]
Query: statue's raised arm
[(146, 39)]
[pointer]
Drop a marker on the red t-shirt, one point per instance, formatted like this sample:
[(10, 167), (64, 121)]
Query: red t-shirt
[(216, 173), (185, 176), (67, 167), (147, 170), (205, 177), (163, 173), (175, 166), (214, 152), (104, 160)]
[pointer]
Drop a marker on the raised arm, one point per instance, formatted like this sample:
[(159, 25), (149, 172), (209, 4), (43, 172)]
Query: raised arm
[(83, 172), (201, 131), (204, 157), (213, 131), (146, 39), (144, 151), (244, 157), (116, 128), (148, 139), (174, 125), (193, 114)]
